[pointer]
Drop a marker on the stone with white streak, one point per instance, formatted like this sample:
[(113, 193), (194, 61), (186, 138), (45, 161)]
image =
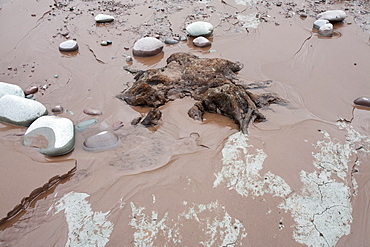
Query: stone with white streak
[(51, 135), (8, 88), (20, 111)]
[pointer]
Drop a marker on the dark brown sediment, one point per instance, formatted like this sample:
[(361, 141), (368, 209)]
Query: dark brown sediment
[(171, 168)]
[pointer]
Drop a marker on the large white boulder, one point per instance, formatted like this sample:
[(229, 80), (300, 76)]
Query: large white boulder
[(51, 135), (8, 88), (20, 111)]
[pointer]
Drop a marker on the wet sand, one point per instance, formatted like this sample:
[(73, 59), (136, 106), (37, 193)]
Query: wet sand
[(300, 178)]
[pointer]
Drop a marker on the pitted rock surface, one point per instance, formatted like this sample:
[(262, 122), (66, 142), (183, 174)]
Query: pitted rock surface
[(211, 81)]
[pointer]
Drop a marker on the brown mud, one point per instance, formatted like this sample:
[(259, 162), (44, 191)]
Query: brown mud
[(177, 184)]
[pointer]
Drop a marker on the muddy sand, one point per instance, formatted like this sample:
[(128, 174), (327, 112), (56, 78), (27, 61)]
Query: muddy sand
[(299, 178)]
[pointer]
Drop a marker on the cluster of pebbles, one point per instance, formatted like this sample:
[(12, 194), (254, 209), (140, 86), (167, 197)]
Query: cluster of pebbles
[(324, 21)]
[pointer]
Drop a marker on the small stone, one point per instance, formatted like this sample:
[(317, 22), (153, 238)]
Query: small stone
[(50, 135), (10, 68), (362, 101), (103, 125), (279, 4), (326, 30), (169, 41), (129, 59), (104, 43), (183, 38), (29, 96), (101, 141), (103, 18), (93, 112), (68, 46), (109, 42), (57, 109), (20, 111), (8, 88), (56, 76), (117, 125), (332, 15), (85, 124), (126, 48), (200, 28), (201, 42), (319, 23), (31, 90), (146, 47)]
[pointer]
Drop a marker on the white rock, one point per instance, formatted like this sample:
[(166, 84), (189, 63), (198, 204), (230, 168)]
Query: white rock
[(326, 30), (50, 135), (146, 47), (332, 15), (319, 23), (199, 28), (201, 42), (20, 111), (103, 18), (68, 45), (7, 88)]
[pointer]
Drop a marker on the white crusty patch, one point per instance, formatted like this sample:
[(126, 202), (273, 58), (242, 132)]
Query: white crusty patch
[(322, 208), (220, 227), (85, 227), (241, 168)]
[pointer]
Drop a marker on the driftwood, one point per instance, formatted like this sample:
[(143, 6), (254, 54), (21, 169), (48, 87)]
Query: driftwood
[(210, 81)]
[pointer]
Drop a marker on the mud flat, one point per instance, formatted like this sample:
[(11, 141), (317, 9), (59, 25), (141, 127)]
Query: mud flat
[(299, 178)]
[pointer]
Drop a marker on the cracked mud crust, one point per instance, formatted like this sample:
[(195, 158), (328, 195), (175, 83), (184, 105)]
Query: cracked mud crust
[(211, 81)]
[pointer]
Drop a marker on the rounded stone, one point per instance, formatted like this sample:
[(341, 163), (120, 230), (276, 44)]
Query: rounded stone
[(147, 46), (362, 101), (129, 59), (85, 124), (199, 28), (332, 15), (31, 90), (57, 109), (50, 135), (68, 46), (201, 42), (93, 112), (101, 141), (326, 30), (104, 43), (319, 23), (20, 111), (12, 89), (169, 41), (103, 18), (183, 38)]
